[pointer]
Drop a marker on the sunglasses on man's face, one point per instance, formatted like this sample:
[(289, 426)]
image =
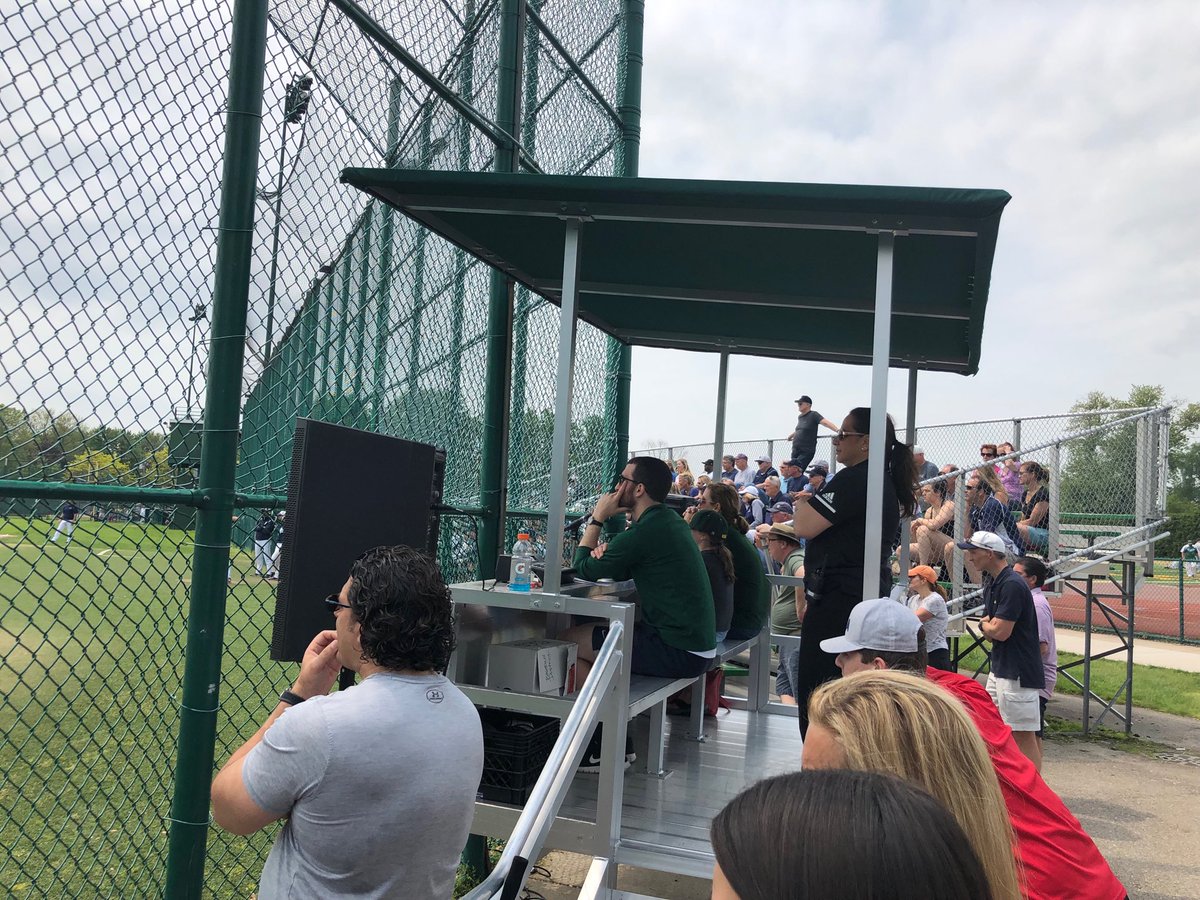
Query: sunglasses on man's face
[(334, 602), (987, 455)]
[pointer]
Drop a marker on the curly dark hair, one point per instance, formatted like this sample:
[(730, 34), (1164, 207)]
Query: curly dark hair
[(403, 608)]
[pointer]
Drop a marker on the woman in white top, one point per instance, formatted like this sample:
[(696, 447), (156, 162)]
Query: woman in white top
[(928, 600)]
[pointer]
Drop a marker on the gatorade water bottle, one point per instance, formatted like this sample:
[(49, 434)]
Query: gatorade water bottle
[(522, 564)]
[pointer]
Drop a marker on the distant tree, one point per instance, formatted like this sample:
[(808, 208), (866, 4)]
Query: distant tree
[(1099, 475), (98, 467)]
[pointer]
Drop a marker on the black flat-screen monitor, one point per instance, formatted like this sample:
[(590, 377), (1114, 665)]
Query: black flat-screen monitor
[(348, 491)]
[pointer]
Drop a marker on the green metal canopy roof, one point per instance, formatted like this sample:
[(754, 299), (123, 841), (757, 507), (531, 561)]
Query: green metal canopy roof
[(758, 268)]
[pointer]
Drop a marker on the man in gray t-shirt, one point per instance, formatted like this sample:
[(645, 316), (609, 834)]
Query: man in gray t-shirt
[(377, 782)]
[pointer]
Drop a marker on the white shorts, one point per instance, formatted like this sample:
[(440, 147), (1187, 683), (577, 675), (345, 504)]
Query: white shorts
[(1018, 705)]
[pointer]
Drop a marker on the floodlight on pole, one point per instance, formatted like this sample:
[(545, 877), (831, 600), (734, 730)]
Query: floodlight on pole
[(295, 106)]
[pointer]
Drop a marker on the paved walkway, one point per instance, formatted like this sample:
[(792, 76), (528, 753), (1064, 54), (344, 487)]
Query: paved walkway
[(1146, 652)]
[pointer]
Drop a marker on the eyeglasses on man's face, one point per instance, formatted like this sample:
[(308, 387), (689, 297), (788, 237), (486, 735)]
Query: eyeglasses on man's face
[(334, 602), (841, 435), (620, 478)]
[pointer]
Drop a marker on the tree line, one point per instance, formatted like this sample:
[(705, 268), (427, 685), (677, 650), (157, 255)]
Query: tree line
[(44, 445)]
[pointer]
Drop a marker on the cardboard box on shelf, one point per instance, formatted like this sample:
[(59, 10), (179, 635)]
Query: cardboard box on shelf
[(533, 666)]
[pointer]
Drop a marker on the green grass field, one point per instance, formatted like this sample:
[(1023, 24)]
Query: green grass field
[(91, 662), (1165, 690)]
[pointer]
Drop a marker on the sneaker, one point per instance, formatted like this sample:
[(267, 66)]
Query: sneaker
[(590, 764)]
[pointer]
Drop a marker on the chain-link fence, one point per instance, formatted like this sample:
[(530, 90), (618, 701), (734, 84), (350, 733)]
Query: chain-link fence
[(113, 127), (1104, 472)]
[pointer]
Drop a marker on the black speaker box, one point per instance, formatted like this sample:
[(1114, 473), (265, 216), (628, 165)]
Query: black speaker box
[(348, 491)]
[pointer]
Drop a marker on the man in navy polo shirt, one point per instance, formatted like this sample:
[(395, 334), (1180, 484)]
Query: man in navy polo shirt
[(1010, 623), (794, 479), (765, 470)]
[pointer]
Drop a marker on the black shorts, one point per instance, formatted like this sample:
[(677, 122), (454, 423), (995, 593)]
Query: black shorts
[(653, 656)]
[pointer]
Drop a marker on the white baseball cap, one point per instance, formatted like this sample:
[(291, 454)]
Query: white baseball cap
[(880, 624), (984, 540)]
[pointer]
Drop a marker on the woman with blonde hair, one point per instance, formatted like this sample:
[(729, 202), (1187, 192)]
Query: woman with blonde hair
[(897, 723), (988, 474), (682, 468)]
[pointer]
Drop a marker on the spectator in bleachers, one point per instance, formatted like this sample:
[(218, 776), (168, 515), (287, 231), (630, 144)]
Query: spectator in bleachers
[(1035, 507), (743, 474), (986, 513), (1009, 471), (682, 468), (711, 533), (951, 483), (751, 597), (935, 529), (765, 469), (793, 478), (684, 485), (708, 469), (1034, 572), (927, 599), (702, 481), (818, 474), (728, 470), (771, 488), (925, 469), (787, 603), (778, 513), (804, 435), (988, 474), (753, 509)]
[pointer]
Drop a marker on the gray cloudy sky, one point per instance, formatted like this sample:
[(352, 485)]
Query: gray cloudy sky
[(1086, 113)]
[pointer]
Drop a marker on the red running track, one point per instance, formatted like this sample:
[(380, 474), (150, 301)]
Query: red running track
[(1156, 609)]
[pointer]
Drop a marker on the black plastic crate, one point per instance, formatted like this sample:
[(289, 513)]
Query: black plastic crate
[(515, 748)]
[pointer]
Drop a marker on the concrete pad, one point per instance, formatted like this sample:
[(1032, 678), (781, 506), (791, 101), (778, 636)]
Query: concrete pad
[(1163, 654)]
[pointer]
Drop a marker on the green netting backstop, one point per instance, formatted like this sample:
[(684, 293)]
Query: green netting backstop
[(183, 276)]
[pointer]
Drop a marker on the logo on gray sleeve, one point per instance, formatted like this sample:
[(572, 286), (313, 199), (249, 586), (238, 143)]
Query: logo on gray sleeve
[(435, 695)]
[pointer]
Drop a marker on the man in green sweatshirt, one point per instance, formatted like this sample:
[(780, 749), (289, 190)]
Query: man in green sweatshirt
[(676, 635)]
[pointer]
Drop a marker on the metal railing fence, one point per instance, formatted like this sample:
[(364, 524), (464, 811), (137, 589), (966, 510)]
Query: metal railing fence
[(184, 276)]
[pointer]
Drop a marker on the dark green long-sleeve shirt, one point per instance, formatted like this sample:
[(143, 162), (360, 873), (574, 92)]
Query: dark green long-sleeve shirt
[(660, 555), (751, 591)]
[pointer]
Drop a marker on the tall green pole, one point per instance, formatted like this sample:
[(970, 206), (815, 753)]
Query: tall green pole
[(206, 615), (499, 320), (620, 355), (520, 466), (383, 302), (364, 298)]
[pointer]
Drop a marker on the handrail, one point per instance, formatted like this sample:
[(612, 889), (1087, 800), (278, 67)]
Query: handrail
[(1066, 415), (1071, 436), (528, 835), (1091, 561)]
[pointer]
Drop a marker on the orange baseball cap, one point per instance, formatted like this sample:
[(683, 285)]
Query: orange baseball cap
[(925, 572)]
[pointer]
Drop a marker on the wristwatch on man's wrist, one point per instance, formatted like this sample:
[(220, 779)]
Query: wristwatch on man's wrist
[(290, 698)]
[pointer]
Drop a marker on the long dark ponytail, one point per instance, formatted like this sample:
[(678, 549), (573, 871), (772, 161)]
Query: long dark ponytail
[(898, 459)]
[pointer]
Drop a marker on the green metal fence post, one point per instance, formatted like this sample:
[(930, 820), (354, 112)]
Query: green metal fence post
[(499, 321), (364, 298), (418, 298), (497, 390), (206, 615), (1182, 633), (466, 89), (383, 301), (620, 355)]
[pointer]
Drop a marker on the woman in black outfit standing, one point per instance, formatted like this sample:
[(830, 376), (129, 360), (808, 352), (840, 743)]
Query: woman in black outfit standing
[(834, 526)]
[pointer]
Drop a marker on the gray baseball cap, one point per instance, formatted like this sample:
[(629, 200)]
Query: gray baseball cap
[(880, 624)]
